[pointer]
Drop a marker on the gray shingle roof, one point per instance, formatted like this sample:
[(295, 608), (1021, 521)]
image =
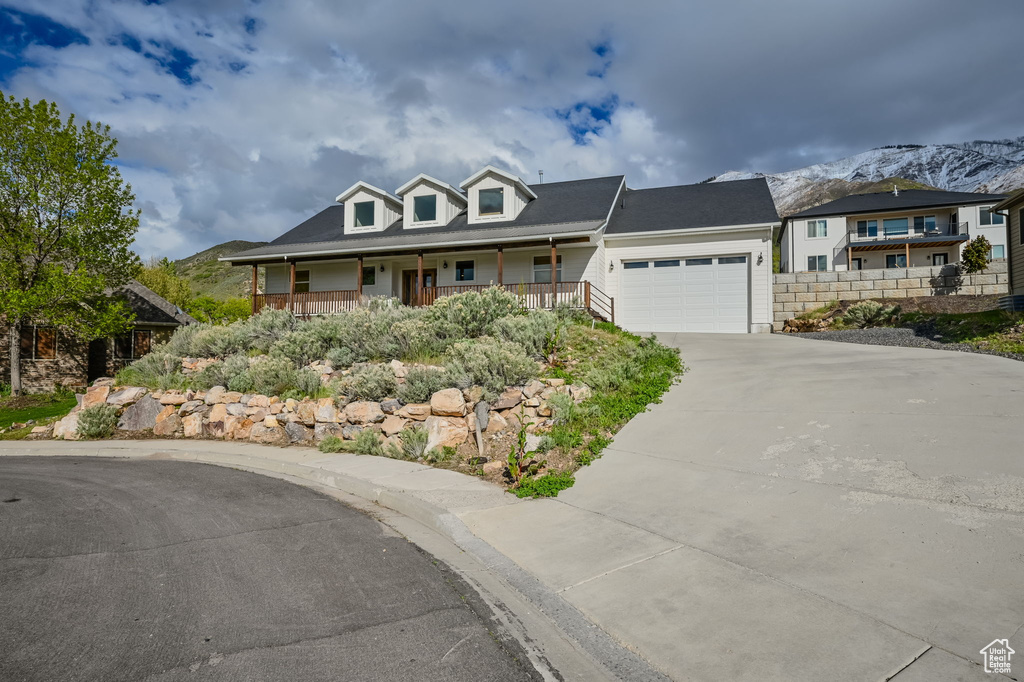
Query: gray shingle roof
[(713, 204), (576, 206), (150, 308), (887, 201)]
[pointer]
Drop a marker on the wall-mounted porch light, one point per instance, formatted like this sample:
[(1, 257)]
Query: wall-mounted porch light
[(444, 264), (760, 258), (611, 266), (382, 267)]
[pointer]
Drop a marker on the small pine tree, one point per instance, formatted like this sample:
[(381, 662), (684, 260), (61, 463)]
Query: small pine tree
[(975, 255)]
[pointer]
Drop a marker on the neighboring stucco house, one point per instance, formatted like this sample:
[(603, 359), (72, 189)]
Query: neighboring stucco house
[(50, 358), (1012, 210), (898, 229), (686, 258)]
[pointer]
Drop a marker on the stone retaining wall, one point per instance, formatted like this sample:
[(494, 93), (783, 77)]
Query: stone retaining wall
[(798, 292)]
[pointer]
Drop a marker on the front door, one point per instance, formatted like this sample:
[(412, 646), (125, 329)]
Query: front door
[(856, 264), (409, 285)]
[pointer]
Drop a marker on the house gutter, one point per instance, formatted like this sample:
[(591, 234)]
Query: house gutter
[(692, 230)]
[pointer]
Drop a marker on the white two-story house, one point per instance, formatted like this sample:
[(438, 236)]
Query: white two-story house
[(898, 229), (670, 259)]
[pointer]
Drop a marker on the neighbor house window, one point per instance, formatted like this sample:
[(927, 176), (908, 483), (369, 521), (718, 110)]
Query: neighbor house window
[(924, 223), (492, 201), (894, 260), (369, 275), (542, 269), (424, 209), (301, 281), (990, 218), (817, 263), (1020, 225), (940, 258), (464, 270), (134, 345), (998, 251), (895, 226), (867, 228), (856, 264), (364, 213), (817, 228), (38, 343)]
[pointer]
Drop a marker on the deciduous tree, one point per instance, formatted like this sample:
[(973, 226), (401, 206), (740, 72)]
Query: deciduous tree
[(66, 226)]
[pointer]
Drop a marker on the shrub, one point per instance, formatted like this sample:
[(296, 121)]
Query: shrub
[(370, 382), (157, 370), (532, 331), (975, 255), (261, 331), (870, 314), (414, 443), (222, 373), (97, 421), (339, 357), (214, 341), (421, 383), (368, 443), (490, 363), (548, 485), (274, 376), (468, 315), (331, 444)]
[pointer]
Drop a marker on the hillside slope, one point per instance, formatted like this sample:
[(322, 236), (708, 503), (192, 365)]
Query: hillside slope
[(210, 277)]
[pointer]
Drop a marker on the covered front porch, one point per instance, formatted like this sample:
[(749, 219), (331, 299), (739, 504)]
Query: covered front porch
[(542, 275), (922, 251)]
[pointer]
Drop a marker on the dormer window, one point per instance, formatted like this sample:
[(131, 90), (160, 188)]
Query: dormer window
[(424, 209), (364, 213), (492, 201)]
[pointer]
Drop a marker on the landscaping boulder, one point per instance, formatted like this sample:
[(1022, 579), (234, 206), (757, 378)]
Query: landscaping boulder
[(473, 395), (231, 397), (270, 421), (533, 388), (399, 369), (297, 433), (173, 398), (141, 415), (495, 466), (508, 399), (321, 431), (169, 425), (417, 411), (351, 431), (307, 412), (215, 395), (448, 402), (189, 407), (326, 411), (276, 408), (392, 424), (268, 435), (580, 393), (257, 414), (555, 382), (442, 431), (193, 426), (259, 401), (364, 412), (390, 406), (243, 430), (95, 395), (216, 421), (236, 409), (125, 396), (67, 428)]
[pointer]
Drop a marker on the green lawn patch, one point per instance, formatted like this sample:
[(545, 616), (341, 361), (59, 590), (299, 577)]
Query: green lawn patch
[(39, 408)]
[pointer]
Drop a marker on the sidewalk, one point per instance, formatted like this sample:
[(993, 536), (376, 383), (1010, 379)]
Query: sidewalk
[(554, 632)]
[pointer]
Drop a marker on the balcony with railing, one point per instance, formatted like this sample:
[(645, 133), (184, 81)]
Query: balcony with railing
[(874, 237), (533, 295)]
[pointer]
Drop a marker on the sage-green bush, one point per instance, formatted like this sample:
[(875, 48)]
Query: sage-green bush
[(532, 331), (331, 444), (97, 421), (368, 443), (490, 363), (468, 315), (870, 314), (421, 383), (157, 370), (370, 382), (221, 373)]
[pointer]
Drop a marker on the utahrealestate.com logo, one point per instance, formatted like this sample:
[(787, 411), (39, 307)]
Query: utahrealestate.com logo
[(997, 656)]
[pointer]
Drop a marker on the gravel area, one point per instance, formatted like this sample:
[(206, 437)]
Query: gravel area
[(900, 336)]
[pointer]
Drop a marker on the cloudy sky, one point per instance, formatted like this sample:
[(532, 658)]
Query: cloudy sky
[(237, 119)]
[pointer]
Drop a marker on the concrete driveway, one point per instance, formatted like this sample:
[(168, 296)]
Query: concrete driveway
[(800, 510)]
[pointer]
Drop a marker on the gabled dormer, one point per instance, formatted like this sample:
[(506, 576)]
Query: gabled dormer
[(428, 202), (369, 208), (495, 195)]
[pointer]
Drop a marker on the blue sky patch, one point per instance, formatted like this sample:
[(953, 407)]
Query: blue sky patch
[(19, 30), (174, 60), (588, 118)]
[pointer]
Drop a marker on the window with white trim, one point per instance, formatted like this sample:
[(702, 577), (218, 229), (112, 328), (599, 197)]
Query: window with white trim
[(363, 213), (896, 260), (817, 263), (301, 281), (465, 270), (990, 218), (491, 201), (424, 208), (542, 269), (817, 228), (997, 251)]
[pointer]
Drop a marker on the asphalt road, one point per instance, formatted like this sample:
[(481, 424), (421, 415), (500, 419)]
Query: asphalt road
[(154, 570)]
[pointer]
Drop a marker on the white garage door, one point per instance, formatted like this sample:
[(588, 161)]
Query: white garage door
[(685, 295)]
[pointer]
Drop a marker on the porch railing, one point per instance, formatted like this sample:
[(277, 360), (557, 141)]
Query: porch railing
[(533, 295)]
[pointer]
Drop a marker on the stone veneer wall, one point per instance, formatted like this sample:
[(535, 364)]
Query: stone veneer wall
[(798, 292)]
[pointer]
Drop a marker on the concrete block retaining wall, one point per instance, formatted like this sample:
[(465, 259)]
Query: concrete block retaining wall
[(794, 293)]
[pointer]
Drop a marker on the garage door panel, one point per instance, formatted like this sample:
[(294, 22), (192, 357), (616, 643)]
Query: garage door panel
[(704, 294)]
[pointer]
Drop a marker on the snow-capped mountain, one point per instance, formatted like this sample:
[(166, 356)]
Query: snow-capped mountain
[(980, 166)]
